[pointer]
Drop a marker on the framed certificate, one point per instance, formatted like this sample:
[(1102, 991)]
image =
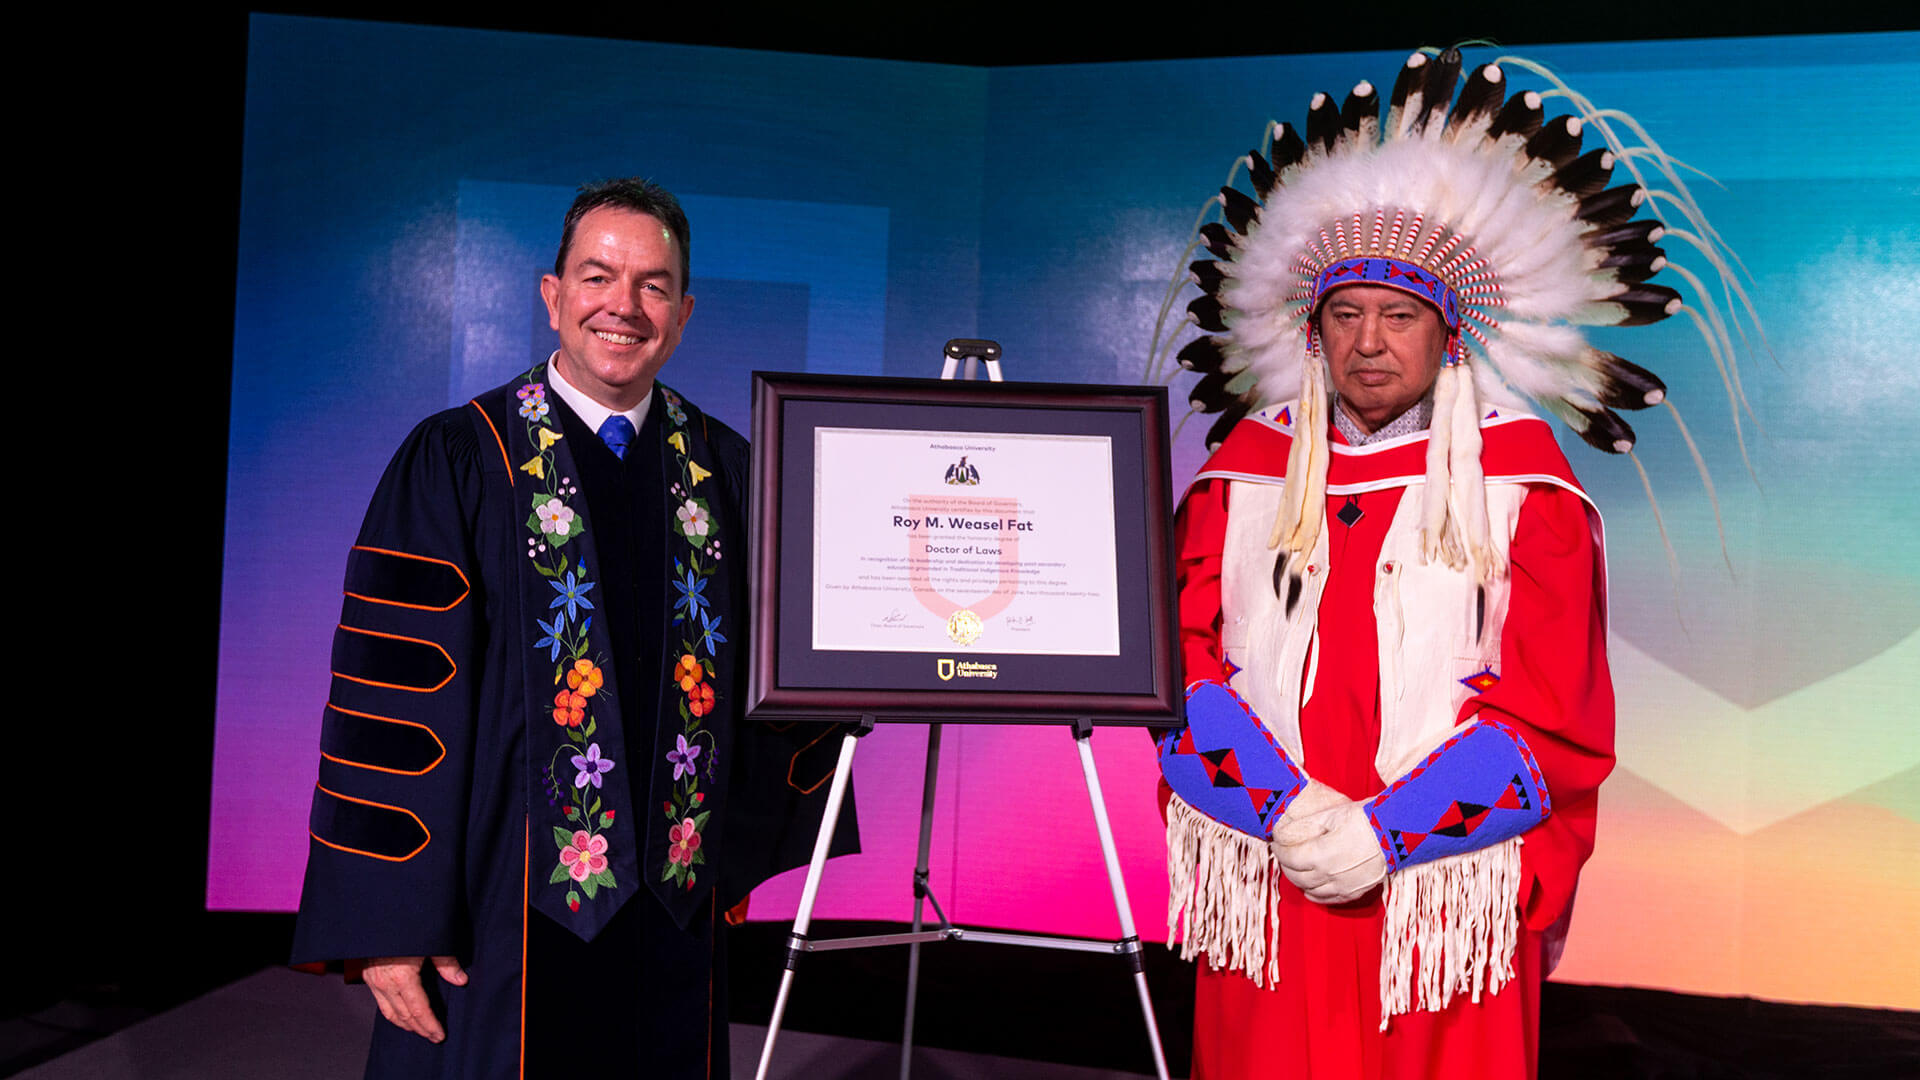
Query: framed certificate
[(928, 549)]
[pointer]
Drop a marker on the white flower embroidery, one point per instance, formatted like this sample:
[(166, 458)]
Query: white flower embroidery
[(693, 519), (556, 517)]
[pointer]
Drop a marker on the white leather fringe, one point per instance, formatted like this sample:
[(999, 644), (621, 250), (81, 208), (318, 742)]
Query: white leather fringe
[(1451, 929), (1224, 886)]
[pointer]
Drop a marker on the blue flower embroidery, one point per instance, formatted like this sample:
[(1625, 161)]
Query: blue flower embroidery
[(553, 633), (571, 593), (693, 589), (710, 635)]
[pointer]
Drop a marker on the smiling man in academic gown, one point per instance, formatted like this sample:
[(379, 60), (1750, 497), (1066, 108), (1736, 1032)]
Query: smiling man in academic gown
[(536, 799)]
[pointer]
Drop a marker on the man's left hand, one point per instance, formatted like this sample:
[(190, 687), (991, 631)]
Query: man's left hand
[(1331, 856)]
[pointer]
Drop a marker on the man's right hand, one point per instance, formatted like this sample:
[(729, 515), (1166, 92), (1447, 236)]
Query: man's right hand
[(402, 996)]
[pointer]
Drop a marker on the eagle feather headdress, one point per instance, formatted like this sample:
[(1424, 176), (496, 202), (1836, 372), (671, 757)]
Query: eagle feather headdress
[(1490, 211)]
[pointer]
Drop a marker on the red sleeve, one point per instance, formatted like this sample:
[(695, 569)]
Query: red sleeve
[(1555, 689), (1199, 534)]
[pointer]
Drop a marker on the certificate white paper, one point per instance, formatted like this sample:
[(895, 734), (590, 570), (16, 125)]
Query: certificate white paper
[(930, 541)]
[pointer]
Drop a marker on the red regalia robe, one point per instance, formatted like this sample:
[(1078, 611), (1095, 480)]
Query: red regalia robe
[(1322, 1019)]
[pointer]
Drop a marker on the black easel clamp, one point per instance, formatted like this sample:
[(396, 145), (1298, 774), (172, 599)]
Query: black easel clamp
[(796, 946)]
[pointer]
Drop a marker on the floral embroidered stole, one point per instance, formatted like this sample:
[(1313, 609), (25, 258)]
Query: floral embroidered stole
[(585, 859)]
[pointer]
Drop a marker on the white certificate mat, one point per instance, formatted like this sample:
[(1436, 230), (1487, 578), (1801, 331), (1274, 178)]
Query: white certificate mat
[(934, 541)]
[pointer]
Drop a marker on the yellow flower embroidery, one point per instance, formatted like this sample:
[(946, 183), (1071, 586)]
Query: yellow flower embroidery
[(536, 468), (699, 473), (678, 440), (547, 437)]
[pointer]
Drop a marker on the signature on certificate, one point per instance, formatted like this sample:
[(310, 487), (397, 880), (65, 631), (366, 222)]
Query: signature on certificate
[(1019, 622)]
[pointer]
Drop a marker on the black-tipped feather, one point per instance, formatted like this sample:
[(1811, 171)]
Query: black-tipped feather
[(1323, 122), (1207, 274), (1206, 312), (1211, 394), (1628, 385), (1261, 174), (1358, 109), (1605, 430), (1480, 98), (1436, 89), (1217, 434), (1634, 261), (1238, 208), (1585, 175), (1217, 239), (1203, 354), (1287, 148), (1557, 143), (1605, 236), (1411, 76), (1614, 206), (1521, 115), (1645, 303)]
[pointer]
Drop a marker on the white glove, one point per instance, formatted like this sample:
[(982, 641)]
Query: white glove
[(1332, 855), (1312, 799)]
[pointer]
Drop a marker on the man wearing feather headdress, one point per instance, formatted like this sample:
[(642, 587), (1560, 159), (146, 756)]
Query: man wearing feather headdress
[(1393, 593)]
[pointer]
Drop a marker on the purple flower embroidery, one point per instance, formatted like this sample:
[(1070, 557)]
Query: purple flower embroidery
[(683, 756), (592, 766), (531, 390)]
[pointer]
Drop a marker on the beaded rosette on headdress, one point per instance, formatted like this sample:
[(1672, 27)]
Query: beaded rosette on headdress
[(1485, 209)]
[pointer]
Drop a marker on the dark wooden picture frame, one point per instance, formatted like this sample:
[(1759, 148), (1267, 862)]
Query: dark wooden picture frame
[(788, 679)]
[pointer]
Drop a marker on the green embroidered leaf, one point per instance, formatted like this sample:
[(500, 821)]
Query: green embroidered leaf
[(561, 836), (671, 872), (592, 726), (700, 820), (595, 808), (559, 874), (605, 878), (684, 714), (589, 887), (699, 858), (708, 664)]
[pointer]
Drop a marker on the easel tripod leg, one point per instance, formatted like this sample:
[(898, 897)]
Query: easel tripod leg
[(921, 868), (1084, 740), (803, 918)]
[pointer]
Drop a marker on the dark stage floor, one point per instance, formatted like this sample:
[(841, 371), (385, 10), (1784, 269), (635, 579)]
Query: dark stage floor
[(985, 1011), (290, 1026)]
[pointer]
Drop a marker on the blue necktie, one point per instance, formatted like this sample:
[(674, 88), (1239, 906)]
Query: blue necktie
[(617, 433)]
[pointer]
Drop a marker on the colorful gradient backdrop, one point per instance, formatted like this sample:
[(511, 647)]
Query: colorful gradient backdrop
[(402, 193)]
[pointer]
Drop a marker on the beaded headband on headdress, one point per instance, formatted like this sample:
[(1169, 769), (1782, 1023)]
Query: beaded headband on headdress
[(1389, 272)]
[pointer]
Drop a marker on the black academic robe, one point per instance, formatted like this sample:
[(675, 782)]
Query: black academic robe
[(421, 838)]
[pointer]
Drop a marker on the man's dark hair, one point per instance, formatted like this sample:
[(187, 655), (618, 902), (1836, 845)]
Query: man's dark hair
[(640, 196)]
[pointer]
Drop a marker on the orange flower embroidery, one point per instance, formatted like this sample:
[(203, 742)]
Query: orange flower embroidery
[(700, 699), (585, 678), (569, 708), (687, 672)]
